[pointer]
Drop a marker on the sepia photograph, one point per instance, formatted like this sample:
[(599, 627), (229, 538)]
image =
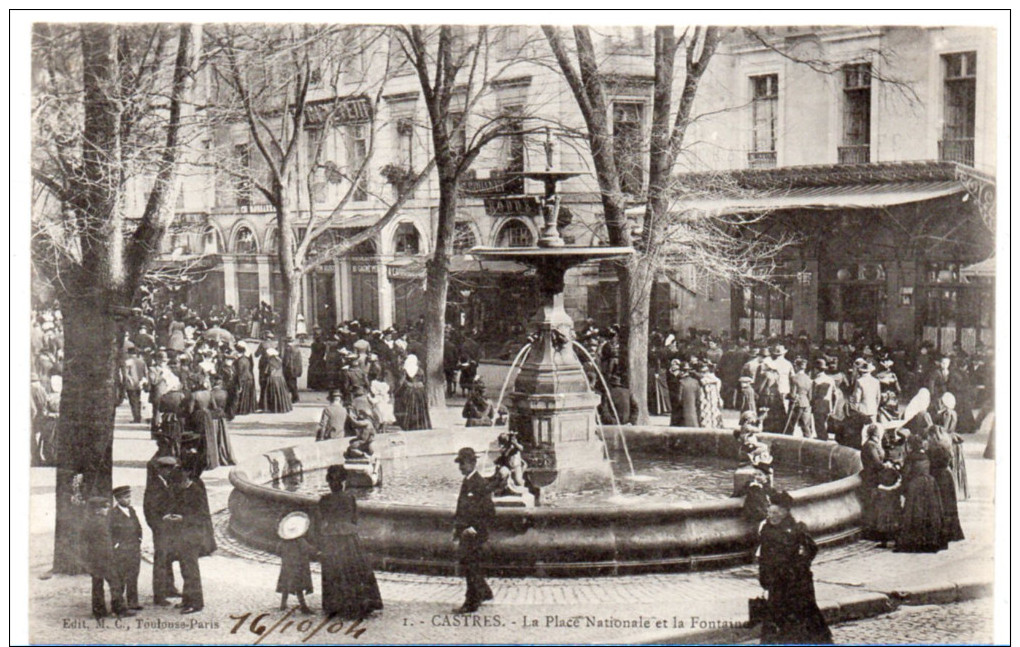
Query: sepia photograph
[(499, 327)]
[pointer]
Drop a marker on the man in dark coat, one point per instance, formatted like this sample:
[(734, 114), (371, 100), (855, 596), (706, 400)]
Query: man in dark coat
[(690, 388), (126, 534), (156, 507), (100, 560), (191, 536), (475, 513), (872, 458), (291, 367), (623, 403)]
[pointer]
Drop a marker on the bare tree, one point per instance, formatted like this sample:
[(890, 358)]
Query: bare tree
[(101, 115), (454, 69), (268, 72)]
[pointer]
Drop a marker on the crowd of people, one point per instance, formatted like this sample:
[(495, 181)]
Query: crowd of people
[(199, 372)]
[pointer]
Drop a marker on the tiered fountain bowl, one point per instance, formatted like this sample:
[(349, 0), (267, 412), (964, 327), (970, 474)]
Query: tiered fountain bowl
[(590, 518)]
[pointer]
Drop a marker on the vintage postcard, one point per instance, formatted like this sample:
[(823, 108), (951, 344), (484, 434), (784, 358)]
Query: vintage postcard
[(670, 328)]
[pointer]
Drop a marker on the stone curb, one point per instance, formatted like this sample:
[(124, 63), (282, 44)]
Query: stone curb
[(851, 607)]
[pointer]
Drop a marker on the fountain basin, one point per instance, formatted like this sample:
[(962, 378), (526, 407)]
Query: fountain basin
[(555, 541)]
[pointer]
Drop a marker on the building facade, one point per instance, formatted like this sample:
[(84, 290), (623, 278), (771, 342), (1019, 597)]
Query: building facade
[(875, 147)]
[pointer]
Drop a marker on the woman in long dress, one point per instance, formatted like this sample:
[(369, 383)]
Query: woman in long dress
[(787, 551), (921, 524), (205, 419), (709, 398), (349, 588), (244, 381), (947, 423), (410, 405), (275, 398), (317, 363), (940, 454)]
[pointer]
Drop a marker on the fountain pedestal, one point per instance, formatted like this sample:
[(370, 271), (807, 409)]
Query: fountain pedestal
[(552, 409)]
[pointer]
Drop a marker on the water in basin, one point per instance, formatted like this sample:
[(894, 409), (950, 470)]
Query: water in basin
[(434, 480)]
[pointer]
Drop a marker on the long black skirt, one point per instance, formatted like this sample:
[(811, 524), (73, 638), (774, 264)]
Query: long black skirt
[(946, 483), (244, 401), (412, 408), (921, 524), (349, 588), (276, 397)]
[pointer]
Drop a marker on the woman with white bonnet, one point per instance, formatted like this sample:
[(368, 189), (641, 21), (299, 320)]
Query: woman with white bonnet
[(410, 401)]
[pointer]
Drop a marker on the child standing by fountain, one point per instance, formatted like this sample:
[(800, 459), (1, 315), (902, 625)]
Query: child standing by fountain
[(295, 560)]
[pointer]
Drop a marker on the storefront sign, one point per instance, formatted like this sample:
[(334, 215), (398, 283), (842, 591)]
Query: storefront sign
[(405, 271), (363, 268), (522, 205), (347, 110)]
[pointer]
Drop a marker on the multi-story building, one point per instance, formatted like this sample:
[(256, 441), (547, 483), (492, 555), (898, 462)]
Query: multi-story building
[(875, 146)]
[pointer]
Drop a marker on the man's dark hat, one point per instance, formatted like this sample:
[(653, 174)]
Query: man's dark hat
[(123, 489), (332, 395), (466, 454)]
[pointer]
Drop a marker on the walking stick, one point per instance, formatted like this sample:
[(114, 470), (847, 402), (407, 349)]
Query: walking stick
[(789, 417)]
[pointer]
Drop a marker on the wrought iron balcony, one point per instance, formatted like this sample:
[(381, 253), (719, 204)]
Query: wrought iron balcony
[(761, 159), (856, 154), (957, 150)]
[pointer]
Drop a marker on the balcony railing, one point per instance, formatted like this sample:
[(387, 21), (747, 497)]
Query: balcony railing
[(857, 154), (499, 183), (761, 159), (957, 150)]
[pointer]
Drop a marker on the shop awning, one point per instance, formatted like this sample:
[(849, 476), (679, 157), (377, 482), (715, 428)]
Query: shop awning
[(853, 196), (462, 263), (983, 269)]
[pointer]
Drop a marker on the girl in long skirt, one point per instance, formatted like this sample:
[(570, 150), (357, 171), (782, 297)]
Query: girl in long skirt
[(921, 526), (888, 504), (709, 399), (349, 587)]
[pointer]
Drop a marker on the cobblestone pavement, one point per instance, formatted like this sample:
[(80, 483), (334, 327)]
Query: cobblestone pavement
[(655, 607), (962, 623)]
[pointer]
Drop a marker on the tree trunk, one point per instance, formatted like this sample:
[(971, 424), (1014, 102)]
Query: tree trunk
[(88, 405), (436, 286), (641, 278), (290, 277)]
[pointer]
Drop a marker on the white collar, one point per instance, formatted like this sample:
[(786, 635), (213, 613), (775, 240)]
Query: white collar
[(473, 472)]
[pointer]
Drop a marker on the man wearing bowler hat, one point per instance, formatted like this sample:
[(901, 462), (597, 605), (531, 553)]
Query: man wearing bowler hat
[(475, 513), (126, 533)]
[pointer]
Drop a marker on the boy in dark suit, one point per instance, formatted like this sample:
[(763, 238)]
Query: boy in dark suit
[(126, 534), (475, 513), (99, 559)]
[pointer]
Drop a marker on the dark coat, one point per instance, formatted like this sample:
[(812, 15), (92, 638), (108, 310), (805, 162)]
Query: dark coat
[(690, 388), (292, 367), (475, 508), (787, 551), (624, 403), (193, 535), (125, 532), (98, 547)]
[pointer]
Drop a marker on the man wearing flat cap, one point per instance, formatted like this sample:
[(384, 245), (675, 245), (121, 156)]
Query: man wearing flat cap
[(126, 533), (475, 513)]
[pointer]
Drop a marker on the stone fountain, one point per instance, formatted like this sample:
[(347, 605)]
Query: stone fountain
[(552, 408)]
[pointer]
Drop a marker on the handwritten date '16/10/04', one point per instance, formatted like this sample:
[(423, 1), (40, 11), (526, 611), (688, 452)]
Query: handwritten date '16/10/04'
[(265, 624)]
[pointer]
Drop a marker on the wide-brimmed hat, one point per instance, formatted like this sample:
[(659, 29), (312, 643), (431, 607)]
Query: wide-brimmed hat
[(167, 461), (293, 525), (948, 400), (783, 499)]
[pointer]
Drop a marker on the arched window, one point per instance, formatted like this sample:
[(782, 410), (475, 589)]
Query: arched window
[(364, 248), (244, 242), (405, 240), (463, 238), (515, 234), (211, 241)]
